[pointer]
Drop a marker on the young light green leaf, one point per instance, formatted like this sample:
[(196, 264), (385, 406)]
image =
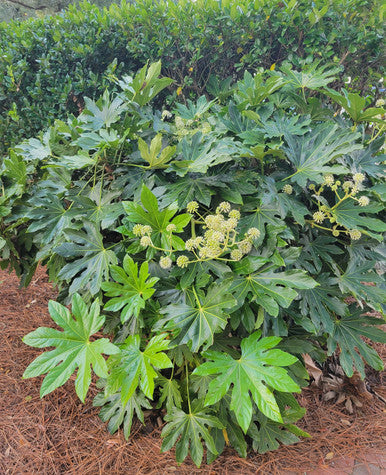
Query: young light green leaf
[(73, 347), (153, 154), (102, 113), (191, 428), (158, 220), (132, 367), (131, 289), (257, 370), (354, 105)]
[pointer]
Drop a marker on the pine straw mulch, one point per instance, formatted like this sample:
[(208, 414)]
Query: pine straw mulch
[(59, 435)]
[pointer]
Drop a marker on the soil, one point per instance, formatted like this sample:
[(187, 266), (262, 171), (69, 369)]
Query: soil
[(60, 435)]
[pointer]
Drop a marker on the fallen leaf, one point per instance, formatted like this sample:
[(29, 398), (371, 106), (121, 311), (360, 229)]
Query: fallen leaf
[(312, 369)]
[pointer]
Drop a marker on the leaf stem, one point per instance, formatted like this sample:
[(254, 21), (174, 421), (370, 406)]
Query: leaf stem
[(187, 383)]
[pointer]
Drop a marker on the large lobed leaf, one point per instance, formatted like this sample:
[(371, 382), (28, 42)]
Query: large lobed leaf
[(257, 370), (131, 289), (73, 347), (190, 427), (132, 367), (195, 323)]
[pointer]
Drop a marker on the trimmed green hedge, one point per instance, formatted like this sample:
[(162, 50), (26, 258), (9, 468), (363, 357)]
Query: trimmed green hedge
[(48, 65)]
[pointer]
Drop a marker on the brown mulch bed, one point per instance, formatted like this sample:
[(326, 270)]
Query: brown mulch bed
[(59, 434)]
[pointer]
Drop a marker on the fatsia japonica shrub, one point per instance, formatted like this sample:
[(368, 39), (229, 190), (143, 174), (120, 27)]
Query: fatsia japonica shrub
[(214, 245)]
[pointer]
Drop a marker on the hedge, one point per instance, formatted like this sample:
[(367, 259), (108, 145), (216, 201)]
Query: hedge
[(49, 64)]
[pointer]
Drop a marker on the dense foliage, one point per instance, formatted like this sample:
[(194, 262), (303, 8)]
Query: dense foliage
[(214, 245), (48, 65)]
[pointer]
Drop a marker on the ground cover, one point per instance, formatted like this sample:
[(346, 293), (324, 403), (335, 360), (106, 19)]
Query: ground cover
[(58, 434)]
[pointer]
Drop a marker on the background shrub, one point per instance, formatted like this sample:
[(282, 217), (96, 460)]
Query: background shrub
[(48, 65)]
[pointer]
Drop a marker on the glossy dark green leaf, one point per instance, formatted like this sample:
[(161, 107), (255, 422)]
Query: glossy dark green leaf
[(91, 260), (116, 413), (312, 155), (196, 323), (188, 431), (347, 333)]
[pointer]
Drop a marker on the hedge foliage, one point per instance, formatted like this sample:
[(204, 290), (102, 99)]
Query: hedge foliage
[(48, 65)]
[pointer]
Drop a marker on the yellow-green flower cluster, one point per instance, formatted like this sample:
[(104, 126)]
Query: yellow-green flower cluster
[(142, 230), (219, 238), (343, 191)]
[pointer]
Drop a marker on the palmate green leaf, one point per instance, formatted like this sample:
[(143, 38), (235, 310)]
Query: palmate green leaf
[(281, 124), (193, 110), (257, 370), (196, 321), (368, 161), (153, 154), (132, 367), (131, 289), (232, 429), (310, 153), (73, 347), (145, 85), (193, 188), (91, 264), (349, 215), (34, 150), (317, 251), (191, 429), (49, 218), (354, 105), (267, 435), (253, 90), (311, 77), (347, 334), (237, 122), (97, 206), (102, 113), (15, 168), (269, 288), (150, 214), (262, 214), (321, 303), (117, 413), (170, 393), (200, 153), (353, 281)]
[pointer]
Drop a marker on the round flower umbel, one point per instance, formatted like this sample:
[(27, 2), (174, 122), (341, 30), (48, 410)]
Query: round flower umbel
[(326, 213), (213, 236), (165, 262), (142, 230)]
